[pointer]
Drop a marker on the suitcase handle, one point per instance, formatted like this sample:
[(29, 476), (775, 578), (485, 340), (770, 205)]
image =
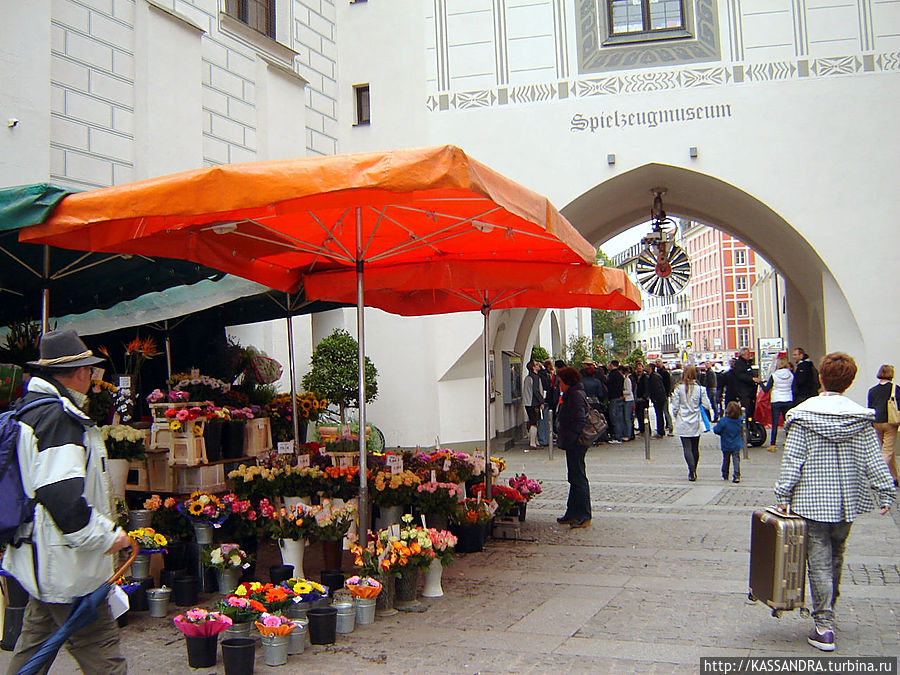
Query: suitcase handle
[(782, 514)]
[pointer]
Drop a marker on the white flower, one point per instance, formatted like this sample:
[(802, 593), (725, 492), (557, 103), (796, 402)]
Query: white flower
[(216, 557)]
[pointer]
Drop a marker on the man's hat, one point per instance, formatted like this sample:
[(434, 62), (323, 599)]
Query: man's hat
[(588, 362), (64, 349)]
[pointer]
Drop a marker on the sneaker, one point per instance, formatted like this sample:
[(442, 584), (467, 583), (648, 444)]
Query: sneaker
[(582, 522), (525, 450), (771, 448), (613, 440), (821, 639), (737, 479)]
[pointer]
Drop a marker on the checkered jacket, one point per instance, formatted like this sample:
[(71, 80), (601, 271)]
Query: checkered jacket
[(832, 461)]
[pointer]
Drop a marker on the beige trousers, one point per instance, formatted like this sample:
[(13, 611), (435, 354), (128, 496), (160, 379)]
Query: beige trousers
[(887, 434), (95, 647)]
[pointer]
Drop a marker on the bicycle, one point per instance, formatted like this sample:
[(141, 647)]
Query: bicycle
[(375, 438)]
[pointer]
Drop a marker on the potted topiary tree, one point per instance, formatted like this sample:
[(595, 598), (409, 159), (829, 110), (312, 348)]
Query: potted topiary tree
[(334, 372)]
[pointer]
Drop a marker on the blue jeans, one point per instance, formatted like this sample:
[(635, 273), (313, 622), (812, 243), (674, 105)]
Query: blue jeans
[(543, 428), (629, 420), (825, 557), (578, 505), (779, 410), (732, 457), (617, 418)]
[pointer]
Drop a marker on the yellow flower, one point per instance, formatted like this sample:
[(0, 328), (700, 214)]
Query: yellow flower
[(160, 540), (240, 590), (195, 509), (174, 425)]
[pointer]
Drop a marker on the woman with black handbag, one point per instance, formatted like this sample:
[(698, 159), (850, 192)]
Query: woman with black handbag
[(572, 418)]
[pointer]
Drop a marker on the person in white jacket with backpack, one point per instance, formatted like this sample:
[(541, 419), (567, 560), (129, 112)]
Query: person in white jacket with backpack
[(781, 397), (686, 402)]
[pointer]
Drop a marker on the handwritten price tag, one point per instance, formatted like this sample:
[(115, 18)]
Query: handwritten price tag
[(303, 461), (395, 530), (344, 462), (433, 476), (479, 453), (447, 464), (285, 447), (395, 464), (424, 524)]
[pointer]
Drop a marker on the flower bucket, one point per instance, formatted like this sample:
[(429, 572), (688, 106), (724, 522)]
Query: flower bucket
[(175, 557), (275, 649), (297, 610), (158, 602), (298, 637), (322, 625), (238, 655), (470, 538), (279, 573), (233, 439), (345, 621), (292, 553), (365, 611), (212, 440), (140, 567), (228, 579), (384, 602), (522, 508), (139, 518), (406, 587), (237, 630), (332, 579), (138, 597), (202, 651), (332, 553), (203, 533), (433, 574), (185, 589)]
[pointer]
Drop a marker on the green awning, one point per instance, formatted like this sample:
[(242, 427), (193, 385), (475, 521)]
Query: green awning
[(24, 205)]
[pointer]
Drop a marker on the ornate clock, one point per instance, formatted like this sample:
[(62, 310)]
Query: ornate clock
[(663, 268)]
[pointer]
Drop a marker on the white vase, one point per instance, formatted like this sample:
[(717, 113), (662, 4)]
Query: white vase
[(118, 476), (292, 551), (433, 575)]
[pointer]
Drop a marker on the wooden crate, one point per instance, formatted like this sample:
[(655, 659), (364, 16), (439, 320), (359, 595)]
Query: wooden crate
[(158, 410), (187, 450), (257, 436), (138, 478), (160, 474), (162, 437), (210, 478)]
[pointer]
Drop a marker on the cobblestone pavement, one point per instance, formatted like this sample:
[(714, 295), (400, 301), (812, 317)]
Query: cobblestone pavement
[(658, 581)]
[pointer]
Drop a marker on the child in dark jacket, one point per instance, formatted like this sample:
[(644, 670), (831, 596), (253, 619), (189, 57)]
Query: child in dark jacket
[(729, 430)]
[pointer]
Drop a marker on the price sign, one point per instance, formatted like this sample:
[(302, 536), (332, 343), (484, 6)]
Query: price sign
[(285, 447), (125, 382), (479, 453), (447, 464), (303, 461), (395, 464), (395, 530), (424, 524), (433, 476), (344, 462)]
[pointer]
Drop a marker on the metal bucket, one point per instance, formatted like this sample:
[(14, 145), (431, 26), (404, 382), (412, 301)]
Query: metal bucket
[(275, 649), (140, 518), (346, 616), (158, 601), (297, 642), (297, 610), (365, 611), (140, 568)]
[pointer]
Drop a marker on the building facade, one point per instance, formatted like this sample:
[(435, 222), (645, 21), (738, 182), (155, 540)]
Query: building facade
[(771, 121)]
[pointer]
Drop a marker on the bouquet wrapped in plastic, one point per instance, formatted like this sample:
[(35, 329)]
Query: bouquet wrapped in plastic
[(363, 587), (274, 624), (198, 622)]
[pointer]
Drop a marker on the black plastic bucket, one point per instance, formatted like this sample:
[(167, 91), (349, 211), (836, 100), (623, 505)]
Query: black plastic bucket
[(322, 625)]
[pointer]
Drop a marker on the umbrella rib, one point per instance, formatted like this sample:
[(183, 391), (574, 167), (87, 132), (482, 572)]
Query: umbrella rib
[(20, 261), (68, 271), (349, 256), (9, 290)]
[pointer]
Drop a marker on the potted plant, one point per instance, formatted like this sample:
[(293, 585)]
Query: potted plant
[(290, 526), (528, 488), (281, 414), (469, 523), (273, 598), (392, 493), (123, 444), (332, 523), (149, 541), (229, 560), (334, 372), (275, 630), (443, 543), (205, 511), (436, 501), (242, 612), (201, 630)]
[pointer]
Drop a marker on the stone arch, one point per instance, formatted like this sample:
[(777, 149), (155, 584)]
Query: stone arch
[(624, 201)]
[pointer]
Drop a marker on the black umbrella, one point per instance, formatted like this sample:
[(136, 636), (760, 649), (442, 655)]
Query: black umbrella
[(83, 613)]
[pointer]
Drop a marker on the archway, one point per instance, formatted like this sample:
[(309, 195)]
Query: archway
[(624, 201)]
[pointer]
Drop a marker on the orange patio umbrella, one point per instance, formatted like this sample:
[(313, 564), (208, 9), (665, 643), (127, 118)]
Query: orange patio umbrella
[(445, 287), (274, 222)]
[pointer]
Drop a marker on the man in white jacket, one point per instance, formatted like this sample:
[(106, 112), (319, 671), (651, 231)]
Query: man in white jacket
[(64, 553), (832, 461)]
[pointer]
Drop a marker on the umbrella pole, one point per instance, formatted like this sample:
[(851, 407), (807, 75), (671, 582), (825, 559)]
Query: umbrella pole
[(488, 469), (45, 292), (290, 336), (168, 349), (363, 513)]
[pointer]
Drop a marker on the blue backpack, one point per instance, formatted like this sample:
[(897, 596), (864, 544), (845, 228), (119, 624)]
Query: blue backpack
[(15, 506)]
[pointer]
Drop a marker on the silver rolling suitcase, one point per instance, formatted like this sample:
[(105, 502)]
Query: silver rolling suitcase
[(778, 560)]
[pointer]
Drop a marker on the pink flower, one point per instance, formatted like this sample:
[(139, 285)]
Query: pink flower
[(182, 415), (271, 621), (197, 614), (209, 510)]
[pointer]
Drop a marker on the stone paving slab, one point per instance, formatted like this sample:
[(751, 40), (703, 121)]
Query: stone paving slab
[(658, 581)]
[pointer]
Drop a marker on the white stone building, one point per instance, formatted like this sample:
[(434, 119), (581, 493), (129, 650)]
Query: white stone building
[(770, 120)]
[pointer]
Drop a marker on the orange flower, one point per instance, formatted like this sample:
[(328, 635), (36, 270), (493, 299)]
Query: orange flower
[(415, 548), (133, 346)]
